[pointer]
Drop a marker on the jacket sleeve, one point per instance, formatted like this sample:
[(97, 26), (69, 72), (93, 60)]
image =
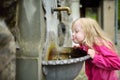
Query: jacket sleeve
[(106, 59)]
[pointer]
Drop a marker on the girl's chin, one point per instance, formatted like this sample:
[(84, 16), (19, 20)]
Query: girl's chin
[(76, 42)]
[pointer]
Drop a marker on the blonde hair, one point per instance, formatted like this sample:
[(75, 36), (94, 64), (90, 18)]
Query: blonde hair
[(93, 33)]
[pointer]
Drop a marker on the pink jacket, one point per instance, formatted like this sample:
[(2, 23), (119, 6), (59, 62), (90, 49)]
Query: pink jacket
[(103, 65)]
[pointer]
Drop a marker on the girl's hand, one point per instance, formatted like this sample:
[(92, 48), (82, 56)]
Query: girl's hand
[(91, 52)]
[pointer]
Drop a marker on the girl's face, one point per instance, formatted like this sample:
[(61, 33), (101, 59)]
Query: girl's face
[(77, 33)]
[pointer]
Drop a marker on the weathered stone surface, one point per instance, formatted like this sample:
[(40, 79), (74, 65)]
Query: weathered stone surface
[(7, 53)]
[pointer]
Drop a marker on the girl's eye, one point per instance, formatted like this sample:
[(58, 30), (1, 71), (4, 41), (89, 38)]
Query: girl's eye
[(76, 31)]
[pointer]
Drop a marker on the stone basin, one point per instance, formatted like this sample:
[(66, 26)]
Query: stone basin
[(66, 69)]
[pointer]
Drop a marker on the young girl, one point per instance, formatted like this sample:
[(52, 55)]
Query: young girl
[(104, 58)]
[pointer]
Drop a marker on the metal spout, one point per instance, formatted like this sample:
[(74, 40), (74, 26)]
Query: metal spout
[(62, 9)]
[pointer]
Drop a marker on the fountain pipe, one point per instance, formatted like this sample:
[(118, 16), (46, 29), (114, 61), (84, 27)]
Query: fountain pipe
[(62, 9), (59, 9)]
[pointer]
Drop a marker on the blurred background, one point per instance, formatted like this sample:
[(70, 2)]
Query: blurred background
[(35, 24)]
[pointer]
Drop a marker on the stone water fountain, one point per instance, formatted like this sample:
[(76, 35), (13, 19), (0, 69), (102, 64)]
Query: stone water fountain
[(62, 63), (59, 62)]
